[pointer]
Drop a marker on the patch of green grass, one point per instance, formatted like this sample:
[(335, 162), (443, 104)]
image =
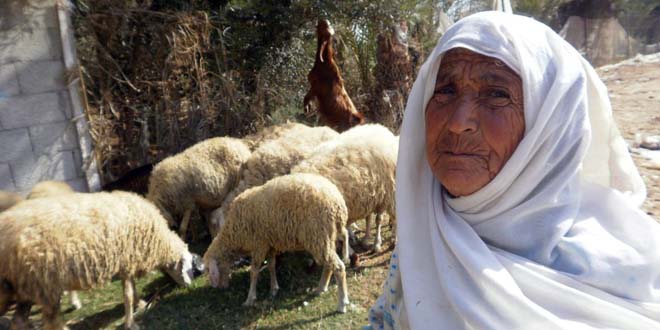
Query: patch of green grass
[(202, 307)]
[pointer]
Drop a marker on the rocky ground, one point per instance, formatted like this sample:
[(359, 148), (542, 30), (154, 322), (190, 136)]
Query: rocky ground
[(634, 88)]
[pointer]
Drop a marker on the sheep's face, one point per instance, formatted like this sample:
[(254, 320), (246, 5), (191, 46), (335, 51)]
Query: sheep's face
[(217, 220), (7, 296), (218, 276), (182, 270)]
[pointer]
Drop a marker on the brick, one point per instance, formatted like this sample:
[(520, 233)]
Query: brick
[(8, 81), (31, 169), (15, 143), (34, 45), (18, 15), (65, 103), (24, 111), (40, 76), (6, 179), (53, 137)]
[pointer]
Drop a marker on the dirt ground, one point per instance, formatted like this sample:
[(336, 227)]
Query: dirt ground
[(634, 88)]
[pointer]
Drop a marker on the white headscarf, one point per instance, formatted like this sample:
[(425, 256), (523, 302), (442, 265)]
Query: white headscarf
[(556, 240)]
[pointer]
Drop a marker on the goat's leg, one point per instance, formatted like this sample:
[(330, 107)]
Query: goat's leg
[(184, 223), (20, 321), (257, 259), (129, 303), (274, 287), (307, 108)]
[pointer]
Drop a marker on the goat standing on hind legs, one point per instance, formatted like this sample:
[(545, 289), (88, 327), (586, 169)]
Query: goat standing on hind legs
[(327, 86)]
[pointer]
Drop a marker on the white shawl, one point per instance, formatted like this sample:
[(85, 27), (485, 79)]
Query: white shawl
[(556, 240)]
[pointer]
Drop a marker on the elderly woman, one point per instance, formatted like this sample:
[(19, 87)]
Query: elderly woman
[(517, 200)]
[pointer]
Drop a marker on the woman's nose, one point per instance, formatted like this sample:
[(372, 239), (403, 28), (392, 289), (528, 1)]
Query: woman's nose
[(464, 119)]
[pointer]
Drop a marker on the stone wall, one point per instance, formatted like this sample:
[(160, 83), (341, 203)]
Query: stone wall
[(38, 134)]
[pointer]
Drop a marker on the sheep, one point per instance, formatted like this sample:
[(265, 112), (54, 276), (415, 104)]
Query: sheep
[(327, 86), (51, 189), (200, 176), (274, 158), (8, 199), (270, 133), (289, 213), (361, 162), (48, 189), (78, 242)]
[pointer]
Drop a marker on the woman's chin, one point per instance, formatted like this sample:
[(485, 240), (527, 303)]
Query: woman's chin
[(461, 183)]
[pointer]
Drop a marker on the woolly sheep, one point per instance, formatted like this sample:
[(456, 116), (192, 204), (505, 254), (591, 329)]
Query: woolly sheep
[(289, 213), (361, 162), (52, 189), (78, 242), (270, 133), (49, 189), (8, 199), (200, 176), (272, 159)]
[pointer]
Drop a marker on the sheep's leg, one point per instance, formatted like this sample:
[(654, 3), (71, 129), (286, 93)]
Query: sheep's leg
[(129, 296), (339, 270), (21, 316), (51, 316), (255, 265), (75, 300), (367, 234), (378, 242), (184, 223), (346, 248), (325, 280), (274, 287)]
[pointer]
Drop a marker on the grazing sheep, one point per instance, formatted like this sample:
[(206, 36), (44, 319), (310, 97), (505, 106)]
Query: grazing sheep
[(270, 133), (49, 189), (274, 158), (327, 86), (52, 189), (79, 242), (361, 162), (200, 176), (8, 199), (289, 213)]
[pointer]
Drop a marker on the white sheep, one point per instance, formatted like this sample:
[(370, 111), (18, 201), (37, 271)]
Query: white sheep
[(49, 189), (361, 162), (8, 199), (289, 213), (274, 158), (79, 242), (270, 133), (52, 189), (198, 177)]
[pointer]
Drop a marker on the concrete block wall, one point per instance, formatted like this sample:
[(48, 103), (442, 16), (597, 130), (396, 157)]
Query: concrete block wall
[(38, 137)]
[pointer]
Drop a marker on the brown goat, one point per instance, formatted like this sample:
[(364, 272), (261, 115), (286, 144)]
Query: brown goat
[(327, 86)]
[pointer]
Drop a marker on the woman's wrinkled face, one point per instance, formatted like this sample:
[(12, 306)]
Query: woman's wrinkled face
[(474, 121)]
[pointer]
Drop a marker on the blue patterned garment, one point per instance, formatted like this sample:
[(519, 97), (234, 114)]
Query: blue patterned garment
[(388, 313)]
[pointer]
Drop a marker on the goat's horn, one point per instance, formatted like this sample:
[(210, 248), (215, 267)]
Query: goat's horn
[(322, 48)]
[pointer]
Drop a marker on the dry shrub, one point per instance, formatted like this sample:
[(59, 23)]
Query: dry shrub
[(152, 83)]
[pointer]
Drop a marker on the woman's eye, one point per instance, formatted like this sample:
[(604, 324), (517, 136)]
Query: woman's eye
[(498, 94), (446, 90)]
